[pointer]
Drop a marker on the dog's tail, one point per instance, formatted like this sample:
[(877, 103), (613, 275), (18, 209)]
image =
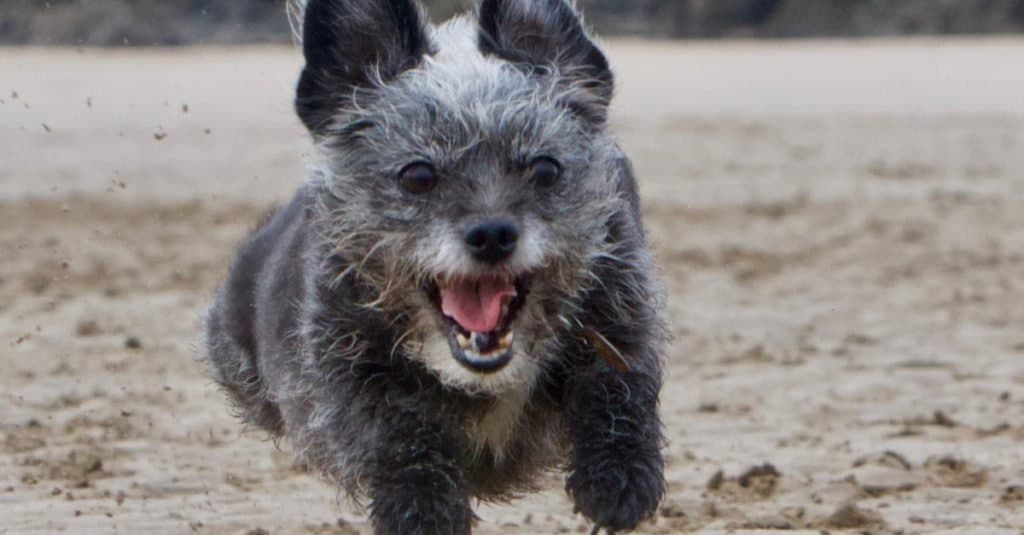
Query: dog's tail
[(296, 14)]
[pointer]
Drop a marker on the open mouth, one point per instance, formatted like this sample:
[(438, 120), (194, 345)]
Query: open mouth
[(479, 313)]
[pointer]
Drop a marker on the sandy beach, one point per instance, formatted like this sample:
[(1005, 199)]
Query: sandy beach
[(840, 225)]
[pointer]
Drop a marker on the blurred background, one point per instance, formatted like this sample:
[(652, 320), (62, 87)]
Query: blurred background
[(838, 220), (174, 22)]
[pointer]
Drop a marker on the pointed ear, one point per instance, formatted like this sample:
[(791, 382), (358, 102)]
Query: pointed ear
[(544, 33), (350, 44)]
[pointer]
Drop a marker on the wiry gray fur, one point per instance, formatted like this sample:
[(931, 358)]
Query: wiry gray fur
[(325, 333)]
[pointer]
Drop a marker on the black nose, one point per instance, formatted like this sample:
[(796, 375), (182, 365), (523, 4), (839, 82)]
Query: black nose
[(492, 241)]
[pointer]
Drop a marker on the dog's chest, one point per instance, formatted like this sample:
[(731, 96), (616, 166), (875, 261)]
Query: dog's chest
[(494, 428)]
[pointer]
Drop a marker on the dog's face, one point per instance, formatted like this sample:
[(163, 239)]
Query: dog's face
[(472, 178)]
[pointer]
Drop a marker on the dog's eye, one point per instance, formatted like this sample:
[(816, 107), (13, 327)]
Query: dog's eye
[(418, 178), (545, 172)]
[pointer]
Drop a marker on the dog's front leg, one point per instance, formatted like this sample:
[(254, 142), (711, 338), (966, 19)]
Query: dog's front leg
[(615, 467), (416, 486), (616, 471)]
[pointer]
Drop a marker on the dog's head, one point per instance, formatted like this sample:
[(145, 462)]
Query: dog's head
[(472, 181)]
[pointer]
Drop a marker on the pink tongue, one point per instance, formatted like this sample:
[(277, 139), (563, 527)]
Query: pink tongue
[(476, 304)]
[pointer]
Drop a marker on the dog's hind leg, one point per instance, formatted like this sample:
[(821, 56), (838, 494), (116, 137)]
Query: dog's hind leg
[(234, 368)]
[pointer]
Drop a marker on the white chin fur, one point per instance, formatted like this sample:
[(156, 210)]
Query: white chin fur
[(512, 386)]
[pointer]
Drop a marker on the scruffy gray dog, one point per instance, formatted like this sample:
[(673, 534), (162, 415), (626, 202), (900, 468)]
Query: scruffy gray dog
[(460, 296)]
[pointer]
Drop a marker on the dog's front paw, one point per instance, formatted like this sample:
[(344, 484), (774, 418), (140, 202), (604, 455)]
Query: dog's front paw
[(618, 493), (423, 514), (422, 499)]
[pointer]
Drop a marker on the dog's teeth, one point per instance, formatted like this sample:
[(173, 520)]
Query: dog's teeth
[(463, 341), (506, 341)]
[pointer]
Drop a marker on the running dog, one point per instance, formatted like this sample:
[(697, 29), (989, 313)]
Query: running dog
[(460, 296)]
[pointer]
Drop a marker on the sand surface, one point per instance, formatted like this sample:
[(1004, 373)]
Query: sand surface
[(840, 224)]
